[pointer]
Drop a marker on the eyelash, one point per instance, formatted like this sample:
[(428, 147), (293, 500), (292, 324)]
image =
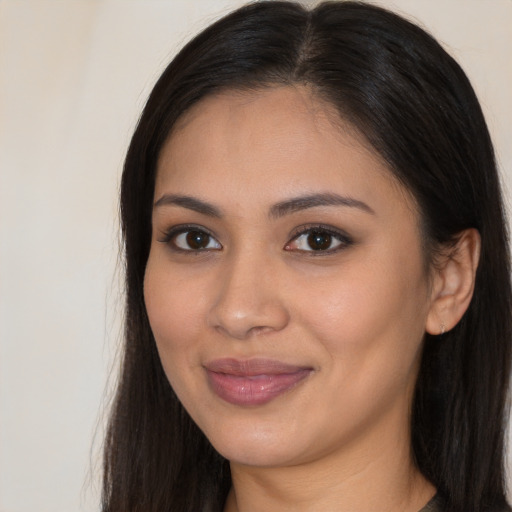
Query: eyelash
[(344, 240)]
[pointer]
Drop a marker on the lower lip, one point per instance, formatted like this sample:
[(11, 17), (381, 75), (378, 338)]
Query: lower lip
[(254, 389)]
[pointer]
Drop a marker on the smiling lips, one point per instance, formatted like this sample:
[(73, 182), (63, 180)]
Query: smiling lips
[(253, 382)]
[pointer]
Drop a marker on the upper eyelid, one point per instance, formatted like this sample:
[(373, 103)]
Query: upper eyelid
[(307, 228), (172, 231)]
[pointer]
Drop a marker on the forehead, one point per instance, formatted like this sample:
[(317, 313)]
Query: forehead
[(274, 141), (296, 100), (296, 109)]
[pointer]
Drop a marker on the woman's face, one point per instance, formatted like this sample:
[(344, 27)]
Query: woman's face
[(286, 286)]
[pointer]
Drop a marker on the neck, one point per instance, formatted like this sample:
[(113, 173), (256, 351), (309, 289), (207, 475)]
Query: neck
[(377, 474)]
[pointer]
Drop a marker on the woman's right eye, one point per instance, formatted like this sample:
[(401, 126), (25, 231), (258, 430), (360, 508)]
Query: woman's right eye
[(191, 240)]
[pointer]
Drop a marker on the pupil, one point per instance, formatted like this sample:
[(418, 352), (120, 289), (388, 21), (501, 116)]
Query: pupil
[(197, 240), (319, 241)]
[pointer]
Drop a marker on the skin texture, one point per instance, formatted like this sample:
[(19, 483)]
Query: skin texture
[(354, 314)]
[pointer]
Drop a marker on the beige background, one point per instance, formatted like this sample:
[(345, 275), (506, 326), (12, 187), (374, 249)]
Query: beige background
[(73, 78)]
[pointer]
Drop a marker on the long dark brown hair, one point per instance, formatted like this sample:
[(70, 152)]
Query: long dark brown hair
[(416, 107)]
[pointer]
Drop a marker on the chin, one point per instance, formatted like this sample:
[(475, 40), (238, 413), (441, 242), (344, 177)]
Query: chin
[(257, 454), (250, 444)]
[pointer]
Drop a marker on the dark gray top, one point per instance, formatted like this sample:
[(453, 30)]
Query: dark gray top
[(434, 505)]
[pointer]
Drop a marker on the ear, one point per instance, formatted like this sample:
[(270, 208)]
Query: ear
[(453, 283)]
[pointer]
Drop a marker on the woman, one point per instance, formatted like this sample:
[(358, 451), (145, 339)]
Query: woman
[(318, 295)]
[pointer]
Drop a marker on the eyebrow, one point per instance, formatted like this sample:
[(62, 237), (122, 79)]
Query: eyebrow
[(276, 211), (311, 201), (191, 203)]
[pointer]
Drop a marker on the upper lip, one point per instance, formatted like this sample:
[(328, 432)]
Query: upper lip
[(252, 367)]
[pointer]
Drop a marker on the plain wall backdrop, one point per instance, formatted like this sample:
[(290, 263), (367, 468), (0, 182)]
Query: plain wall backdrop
[(74, 76)]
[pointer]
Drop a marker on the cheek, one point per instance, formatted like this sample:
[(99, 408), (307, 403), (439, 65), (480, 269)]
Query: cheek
[(371, 329), (174, 309), (369, 312)]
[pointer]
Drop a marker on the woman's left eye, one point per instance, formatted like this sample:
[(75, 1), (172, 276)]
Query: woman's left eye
[(318, 240)]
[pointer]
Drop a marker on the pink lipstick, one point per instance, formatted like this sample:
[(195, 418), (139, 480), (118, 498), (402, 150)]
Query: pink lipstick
[(253, 381)]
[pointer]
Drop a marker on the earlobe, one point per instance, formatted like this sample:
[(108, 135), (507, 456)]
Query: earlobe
[(453, 283)]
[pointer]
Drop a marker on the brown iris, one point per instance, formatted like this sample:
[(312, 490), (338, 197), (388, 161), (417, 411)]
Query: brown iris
[(319, 241), (197, 239)]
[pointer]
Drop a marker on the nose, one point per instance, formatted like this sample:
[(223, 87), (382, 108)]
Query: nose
[(249, 299)]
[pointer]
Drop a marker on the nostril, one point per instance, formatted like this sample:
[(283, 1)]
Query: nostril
[(243, 331), (260, 330)]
